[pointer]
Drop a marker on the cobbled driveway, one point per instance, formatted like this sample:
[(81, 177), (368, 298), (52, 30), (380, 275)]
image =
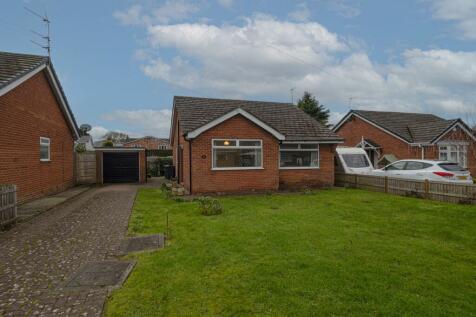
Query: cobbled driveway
[(37, 257)]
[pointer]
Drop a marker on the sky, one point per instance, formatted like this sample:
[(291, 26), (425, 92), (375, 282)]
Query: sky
[(121, 62)]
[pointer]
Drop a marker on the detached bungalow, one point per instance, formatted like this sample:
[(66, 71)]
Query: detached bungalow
[(224, 145), (37, 127), (388, 136)]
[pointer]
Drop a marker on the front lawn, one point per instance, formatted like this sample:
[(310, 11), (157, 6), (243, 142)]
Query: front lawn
[(331, 252)]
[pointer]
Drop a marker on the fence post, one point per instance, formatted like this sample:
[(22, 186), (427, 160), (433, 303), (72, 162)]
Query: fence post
[(427, 188), (386, 184)]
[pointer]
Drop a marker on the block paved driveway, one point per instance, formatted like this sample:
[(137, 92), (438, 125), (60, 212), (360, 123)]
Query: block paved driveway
[(37, 257)]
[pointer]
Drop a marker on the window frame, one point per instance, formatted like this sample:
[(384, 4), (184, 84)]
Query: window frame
[(44, 141), (299, 149), (459, 153), (237, 146)]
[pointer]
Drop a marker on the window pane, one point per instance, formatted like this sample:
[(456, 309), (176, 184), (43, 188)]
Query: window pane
[(299, 159), (237, 158), (452, 167), (309, 146), (396, 166), (250, 143), (443, 156), (413, 166), (355, 160), (44, 152), (224, 142), (289, 146)]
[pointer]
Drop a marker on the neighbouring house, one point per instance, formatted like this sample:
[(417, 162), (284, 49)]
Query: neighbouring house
[(149, 143), (222, 145), (388, 136), (37, 127)]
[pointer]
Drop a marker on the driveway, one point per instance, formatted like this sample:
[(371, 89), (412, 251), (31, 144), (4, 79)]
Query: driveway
[(37, 257)]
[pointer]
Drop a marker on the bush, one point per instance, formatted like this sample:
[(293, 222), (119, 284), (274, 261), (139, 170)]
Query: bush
[(209, 206), (80, 148)]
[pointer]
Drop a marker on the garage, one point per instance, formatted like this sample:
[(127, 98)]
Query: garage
[(121, 167)]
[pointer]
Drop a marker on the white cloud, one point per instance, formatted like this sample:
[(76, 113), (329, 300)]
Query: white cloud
[(98, 132), (171, 10), (462, 12), (226, 3), (142, 122), (344, 9), (132, 16), (265, 56), (301, 13)]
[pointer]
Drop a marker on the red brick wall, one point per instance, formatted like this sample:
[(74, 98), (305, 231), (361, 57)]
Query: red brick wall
[(353, 131), (457, 135), (28, 112), (149, 143), (206, 180), (304, 178)]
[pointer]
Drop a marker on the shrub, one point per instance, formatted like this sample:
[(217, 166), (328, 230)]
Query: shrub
[(209, 206), (80, 148)]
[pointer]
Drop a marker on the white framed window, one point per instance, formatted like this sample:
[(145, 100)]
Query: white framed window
[(237, 154), (299, 155), (45, 149), (455, 153), (162, 147)]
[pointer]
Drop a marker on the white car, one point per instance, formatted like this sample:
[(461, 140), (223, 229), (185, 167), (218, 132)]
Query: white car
[(353, 160), (438, 171)]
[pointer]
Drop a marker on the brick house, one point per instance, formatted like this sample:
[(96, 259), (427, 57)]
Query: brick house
[(397, 135), (224, 145), (149, 143), (37, 127)]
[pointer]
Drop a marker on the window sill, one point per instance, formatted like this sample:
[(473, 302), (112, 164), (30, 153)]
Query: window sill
[(46, 161), (300, 168), (236, 168)]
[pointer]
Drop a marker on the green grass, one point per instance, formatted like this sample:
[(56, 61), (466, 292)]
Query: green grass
[(332, 252)]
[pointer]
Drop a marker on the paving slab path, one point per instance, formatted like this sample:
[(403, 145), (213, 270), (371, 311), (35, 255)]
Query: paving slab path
[(37, 257)]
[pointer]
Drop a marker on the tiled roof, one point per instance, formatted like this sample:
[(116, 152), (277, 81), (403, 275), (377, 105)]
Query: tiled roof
[(412, 127), (286, 118), (14, 66)]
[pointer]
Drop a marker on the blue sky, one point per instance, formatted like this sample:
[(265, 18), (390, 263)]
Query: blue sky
[(122, 61)]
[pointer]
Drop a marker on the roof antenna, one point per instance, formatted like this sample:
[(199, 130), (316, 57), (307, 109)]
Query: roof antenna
[(292, 94), (46, 38)]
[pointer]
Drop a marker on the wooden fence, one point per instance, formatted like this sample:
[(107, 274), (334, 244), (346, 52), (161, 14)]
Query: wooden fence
[(86, 168), (441, 191), (8, 204)]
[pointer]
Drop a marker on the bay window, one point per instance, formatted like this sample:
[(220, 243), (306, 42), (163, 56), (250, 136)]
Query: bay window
[(455, 153), (237, 154), (299, 155)]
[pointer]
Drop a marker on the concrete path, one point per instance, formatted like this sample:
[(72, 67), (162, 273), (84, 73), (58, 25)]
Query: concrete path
[(37, 257)]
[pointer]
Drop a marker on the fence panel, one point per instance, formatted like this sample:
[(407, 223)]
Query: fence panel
[(8, 204), (441, 191), (86, 168)]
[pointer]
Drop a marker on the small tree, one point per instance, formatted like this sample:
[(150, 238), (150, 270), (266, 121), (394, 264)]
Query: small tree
[(108, 143), (310, 105)]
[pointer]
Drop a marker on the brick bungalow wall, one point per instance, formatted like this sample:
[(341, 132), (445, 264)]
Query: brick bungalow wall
[(206, 180), (148, 143), (303, 178), (353, 130), (28, 112)]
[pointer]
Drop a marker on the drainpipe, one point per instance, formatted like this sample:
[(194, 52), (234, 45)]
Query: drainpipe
[(190, 163)]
